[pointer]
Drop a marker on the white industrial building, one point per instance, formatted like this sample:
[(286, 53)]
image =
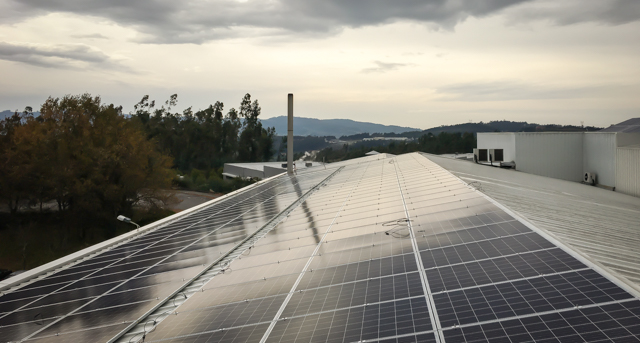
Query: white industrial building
[(610, 159)]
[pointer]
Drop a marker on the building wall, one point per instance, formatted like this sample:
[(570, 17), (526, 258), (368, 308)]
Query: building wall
[(568, 155), (628, 170), (499, 140), (243, 172), (273, 171), (599, 156), (557, 155)]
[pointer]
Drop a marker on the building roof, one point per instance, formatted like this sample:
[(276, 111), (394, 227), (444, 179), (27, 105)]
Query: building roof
[(631, 125), (382, 248), (260, 165), (262, 169)]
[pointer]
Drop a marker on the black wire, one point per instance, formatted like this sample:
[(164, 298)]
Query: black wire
[(399, 232), (401, 221), (399, 225)]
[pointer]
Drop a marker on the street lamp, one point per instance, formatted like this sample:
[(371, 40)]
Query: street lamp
[(128, 220)]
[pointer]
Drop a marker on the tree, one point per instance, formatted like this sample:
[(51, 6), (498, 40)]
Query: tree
[(255, 143), (15, 160), (207, 139), (88, 157)]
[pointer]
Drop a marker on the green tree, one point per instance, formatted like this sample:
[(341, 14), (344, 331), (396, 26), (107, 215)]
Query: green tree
[(88, 157), (206, 139)]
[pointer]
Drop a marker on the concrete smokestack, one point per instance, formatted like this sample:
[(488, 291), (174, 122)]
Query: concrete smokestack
[(290, 135)]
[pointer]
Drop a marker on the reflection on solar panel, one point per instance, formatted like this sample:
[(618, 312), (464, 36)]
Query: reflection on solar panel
[(387, 250)]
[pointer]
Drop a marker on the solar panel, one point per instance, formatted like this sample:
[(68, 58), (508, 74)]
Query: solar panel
[(608, 323), (122, 283), (386, 250)]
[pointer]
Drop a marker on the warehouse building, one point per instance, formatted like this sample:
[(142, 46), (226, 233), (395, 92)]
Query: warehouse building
[(607, 158)]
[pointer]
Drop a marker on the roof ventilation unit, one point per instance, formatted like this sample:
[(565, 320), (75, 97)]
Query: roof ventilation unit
[(589, 178), (480, 155), (496, 155)]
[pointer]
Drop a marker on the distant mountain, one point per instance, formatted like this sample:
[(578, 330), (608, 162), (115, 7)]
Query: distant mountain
[(497, 126), (330, 127), (5, 114)]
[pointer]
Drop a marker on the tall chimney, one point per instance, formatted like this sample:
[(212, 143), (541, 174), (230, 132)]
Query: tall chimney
[(290, 135)]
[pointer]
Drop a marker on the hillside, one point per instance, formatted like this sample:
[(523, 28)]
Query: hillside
[(497, 126), (330, 127)]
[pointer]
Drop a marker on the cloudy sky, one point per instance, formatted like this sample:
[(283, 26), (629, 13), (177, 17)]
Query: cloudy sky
[(419, 63)]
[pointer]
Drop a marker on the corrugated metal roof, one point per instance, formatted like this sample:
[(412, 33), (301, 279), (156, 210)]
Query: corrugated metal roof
[(631, 125), (602, 225)]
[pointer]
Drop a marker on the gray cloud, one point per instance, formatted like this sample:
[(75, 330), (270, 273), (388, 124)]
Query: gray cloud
[(68, 56), (511, 90), (198, 21), (90, 36), (383, 67), (567, 12)]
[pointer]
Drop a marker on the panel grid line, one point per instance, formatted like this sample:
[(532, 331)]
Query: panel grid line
[(536, 314), (293, 288), (433, 315), (555, 241), (205, 276), (491, 258), (476, 241), (132, 254), (298, 316), (148, 268)]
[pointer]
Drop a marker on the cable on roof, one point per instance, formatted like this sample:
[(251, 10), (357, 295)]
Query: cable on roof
[(154, 322), (174, 298), (225, 269), (399, 228)]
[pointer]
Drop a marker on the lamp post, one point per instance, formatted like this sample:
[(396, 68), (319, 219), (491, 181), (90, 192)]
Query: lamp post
[(128, 220)]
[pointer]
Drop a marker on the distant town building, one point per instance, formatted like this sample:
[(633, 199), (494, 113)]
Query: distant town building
[(386, 139)]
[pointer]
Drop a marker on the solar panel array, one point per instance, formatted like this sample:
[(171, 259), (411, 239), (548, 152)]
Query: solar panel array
[(94, 299), (391, 250)]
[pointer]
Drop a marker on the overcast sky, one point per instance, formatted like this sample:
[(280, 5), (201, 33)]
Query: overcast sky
[(419, 63)]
